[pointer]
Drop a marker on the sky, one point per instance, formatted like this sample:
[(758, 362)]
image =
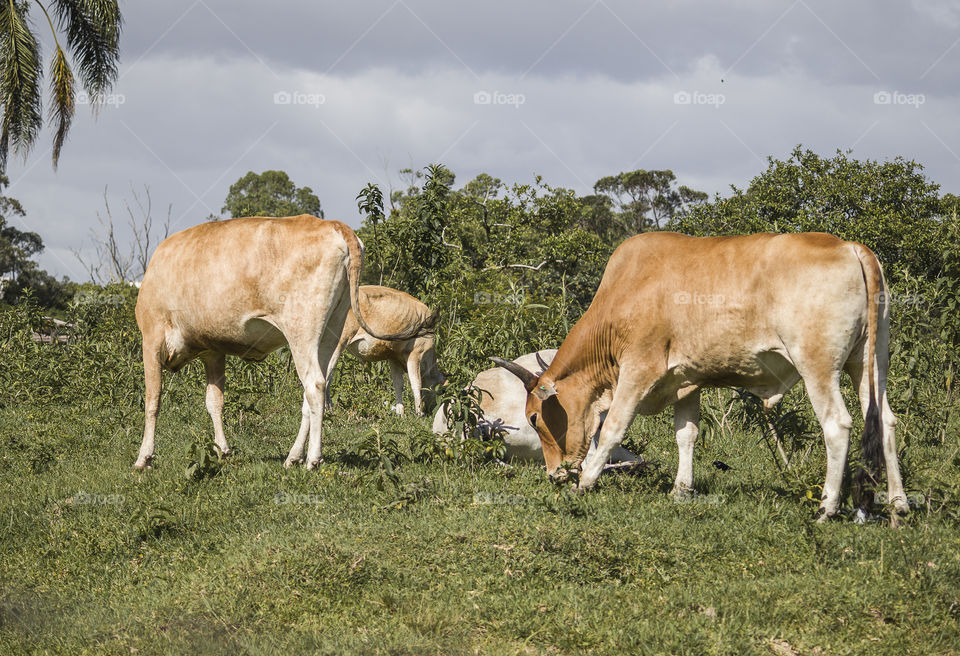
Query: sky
[(339, 94)]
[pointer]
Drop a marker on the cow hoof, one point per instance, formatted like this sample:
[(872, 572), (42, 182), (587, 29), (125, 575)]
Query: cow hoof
[(290, 462), (313, 464), (143, 463), (823, 516), (683, 493)]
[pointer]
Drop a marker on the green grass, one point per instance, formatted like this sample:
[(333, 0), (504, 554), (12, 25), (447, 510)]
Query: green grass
[(485, 560)]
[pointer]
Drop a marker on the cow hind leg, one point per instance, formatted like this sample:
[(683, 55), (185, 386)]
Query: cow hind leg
[(686, 424), (215, 366), (396, 375), (413, 373), (895, 491), (151, 400), (835, 421), (306, 359)]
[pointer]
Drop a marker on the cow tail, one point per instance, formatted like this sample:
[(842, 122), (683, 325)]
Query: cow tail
[(354, 266), (871, 442)]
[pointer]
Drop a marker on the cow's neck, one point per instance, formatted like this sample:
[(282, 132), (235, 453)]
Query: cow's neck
[(587, 359)]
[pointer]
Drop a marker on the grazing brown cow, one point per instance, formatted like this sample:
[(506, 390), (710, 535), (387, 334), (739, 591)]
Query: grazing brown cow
[(674, 314), (393, 311), (247, 287)]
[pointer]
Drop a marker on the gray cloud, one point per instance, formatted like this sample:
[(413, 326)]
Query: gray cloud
[(599, 83)]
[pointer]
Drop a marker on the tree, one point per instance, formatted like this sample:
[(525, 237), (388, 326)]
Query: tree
[(91, 32), (17, 268), (114, 261), (646, 200), (271, 193)]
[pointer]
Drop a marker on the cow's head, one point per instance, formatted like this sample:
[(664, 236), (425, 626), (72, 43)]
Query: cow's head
[(551, 411)]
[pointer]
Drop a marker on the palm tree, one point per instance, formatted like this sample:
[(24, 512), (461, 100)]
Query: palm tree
[(91, 29)]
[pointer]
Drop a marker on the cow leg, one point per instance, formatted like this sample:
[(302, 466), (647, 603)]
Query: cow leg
[(413, 373), (835, 420), (215, 366), (307, 361), (295, 456), (686, 424), (332, 365), (396, 374), (895, 492), (151, 401), (621, 414)]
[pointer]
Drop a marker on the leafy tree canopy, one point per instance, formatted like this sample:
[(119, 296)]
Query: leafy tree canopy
[(271, 193), (89, 30)]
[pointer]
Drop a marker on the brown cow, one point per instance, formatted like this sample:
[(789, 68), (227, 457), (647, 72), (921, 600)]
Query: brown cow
[(247, 287), (393, 311), (674, 314)]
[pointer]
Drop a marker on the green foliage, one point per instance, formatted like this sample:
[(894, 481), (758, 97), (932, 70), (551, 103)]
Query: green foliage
[(203, 459), (380, 451), (271, 193), (92, 30)]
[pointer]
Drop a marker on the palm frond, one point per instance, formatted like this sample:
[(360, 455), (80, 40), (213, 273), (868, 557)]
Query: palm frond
[(62, 94), (20, 82), (93, 38)]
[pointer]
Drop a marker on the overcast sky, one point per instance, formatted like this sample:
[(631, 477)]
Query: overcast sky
[(339, 94)]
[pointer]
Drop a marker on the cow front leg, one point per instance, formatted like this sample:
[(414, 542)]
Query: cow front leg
[(686, 424), (622, 411)]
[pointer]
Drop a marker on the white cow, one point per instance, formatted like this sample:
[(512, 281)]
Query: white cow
[(503, 403)]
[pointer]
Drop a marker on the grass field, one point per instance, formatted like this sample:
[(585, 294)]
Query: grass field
[(463, 558)]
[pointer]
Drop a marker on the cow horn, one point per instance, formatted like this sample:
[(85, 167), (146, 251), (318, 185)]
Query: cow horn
[(543, 365), (528, 377)]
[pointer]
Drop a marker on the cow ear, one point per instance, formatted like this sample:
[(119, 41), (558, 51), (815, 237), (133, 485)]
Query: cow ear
[(544, 392)]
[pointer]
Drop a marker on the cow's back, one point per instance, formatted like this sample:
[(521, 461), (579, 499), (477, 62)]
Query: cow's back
[(703, 290), (385, 310)]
